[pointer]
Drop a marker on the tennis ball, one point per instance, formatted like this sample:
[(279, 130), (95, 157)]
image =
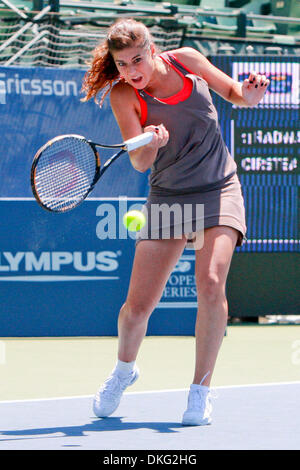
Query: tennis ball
[(134, 220)]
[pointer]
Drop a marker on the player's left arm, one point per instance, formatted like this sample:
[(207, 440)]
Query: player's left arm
[(249, 93)]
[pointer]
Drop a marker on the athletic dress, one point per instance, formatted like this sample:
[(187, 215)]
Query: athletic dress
[(194, 168)]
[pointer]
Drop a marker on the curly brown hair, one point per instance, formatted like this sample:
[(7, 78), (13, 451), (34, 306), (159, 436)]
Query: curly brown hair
[(103, 72)]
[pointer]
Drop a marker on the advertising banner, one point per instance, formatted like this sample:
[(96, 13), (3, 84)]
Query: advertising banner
[(68, 274), (38, 104), (57, 276)]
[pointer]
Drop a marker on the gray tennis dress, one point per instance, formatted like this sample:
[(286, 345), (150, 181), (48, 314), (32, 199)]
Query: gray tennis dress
[(195, 169)]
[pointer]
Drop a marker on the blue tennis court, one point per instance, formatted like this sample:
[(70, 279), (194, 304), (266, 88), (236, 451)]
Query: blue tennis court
[(245, 417)]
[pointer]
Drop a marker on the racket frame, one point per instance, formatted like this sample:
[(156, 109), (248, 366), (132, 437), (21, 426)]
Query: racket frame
[(126, 146)]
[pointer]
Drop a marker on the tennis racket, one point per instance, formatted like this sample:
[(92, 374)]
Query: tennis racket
[(65, 170)]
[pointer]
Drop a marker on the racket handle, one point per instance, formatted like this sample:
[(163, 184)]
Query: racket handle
[(138, 141)]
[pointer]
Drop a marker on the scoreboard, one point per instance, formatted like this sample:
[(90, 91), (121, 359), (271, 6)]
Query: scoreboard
[(265, 143)]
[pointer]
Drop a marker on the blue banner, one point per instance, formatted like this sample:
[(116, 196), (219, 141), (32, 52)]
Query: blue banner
[(64, 275), (57, 277), (37, 104)]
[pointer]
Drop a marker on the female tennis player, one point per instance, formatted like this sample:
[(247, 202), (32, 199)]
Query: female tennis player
[(168, 94)]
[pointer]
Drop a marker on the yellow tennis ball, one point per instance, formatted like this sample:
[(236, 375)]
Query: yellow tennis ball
[(134, 220)]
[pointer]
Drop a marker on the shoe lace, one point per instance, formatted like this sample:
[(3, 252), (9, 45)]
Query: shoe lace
[(197, 400), (114, 385)]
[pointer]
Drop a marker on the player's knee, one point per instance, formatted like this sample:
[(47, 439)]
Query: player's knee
[(211, 289), (136, 311)]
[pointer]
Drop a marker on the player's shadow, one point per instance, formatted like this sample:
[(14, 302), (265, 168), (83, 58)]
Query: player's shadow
[(97, 425)]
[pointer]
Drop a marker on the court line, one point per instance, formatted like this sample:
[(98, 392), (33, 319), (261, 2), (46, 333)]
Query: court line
[(218, 387)]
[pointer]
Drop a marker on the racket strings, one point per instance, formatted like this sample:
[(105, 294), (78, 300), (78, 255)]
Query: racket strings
[(65, 173)]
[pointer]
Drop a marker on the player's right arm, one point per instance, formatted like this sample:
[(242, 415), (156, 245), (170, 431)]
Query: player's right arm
[(126, 109)]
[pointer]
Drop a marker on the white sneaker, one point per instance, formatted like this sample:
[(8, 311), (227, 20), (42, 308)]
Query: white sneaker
[(108, 397), (198, 412)]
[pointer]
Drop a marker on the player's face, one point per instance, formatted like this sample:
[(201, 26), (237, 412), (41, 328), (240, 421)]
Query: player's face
[(135, 65)]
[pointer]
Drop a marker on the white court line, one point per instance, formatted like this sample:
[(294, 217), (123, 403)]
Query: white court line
[(152, 391)]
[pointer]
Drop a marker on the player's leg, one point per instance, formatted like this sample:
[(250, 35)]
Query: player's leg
[(212, 264), (211, 269), (153, 263)]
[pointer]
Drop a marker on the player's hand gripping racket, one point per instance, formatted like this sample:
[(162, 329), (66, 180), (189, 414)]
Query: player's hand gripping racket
[(65, 170)]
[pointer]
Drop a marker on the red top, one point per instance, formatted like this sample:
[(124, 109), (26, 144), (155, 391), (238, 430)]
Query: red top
[(182, 95)]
